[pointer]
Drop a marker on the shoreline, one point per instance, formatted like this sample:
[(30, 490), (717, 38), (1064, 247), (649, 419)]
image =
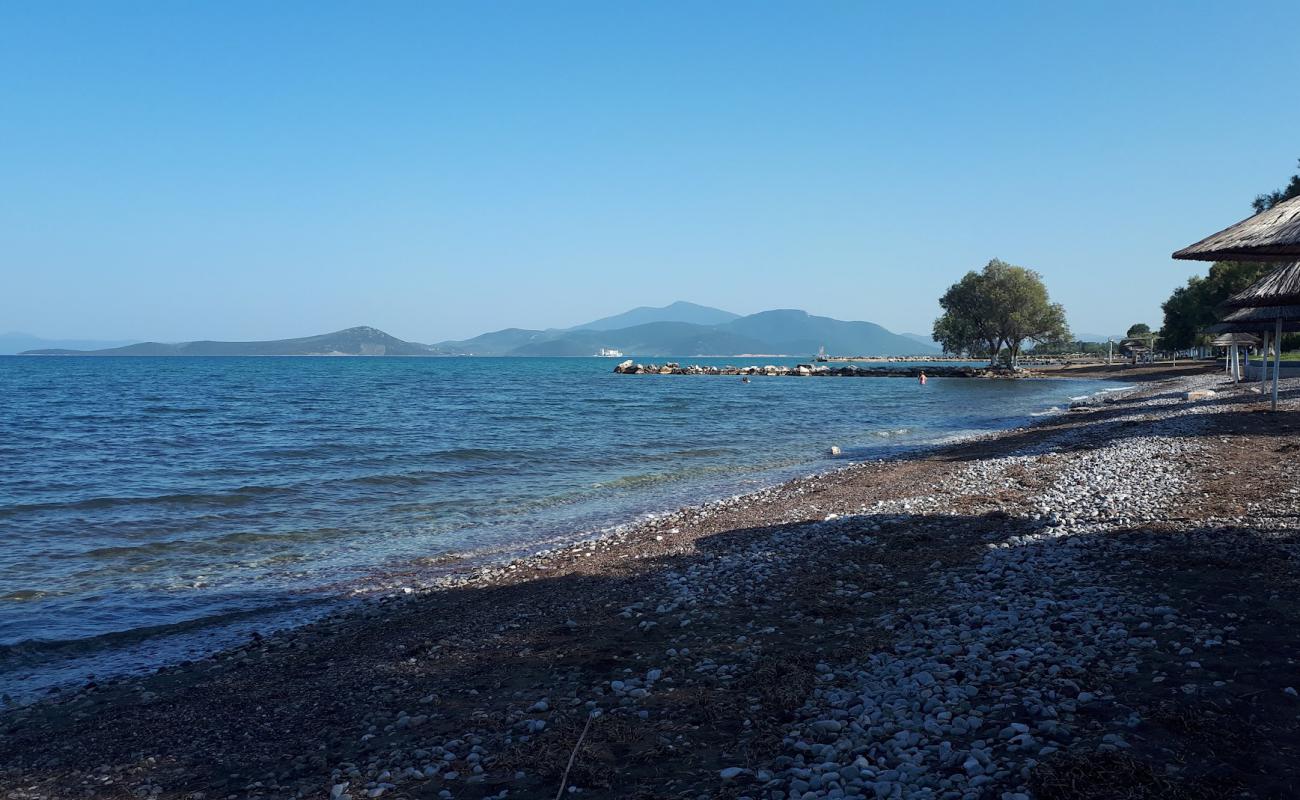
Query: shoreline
[(670, 619), (194, 640)]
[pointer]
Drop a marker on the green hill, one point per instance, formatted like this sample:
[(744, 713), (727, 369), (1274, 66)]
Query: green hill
[(360, 341), (784, 332), (680, 311), (796, 332)]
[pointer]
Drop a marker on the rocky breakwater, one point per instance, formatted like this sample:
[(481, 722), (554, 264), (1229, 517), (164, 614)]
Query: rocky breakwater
[(816, 371)]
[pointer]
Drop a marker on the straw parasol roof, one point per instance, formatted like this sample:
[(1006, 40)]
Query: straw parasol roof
[(1237, 338), (1265, 314), (1272, 235), (1246, 326), (1281, 287)]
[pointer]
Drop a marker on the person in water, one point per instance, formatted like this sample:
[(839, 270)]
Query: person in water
[(921, 378)]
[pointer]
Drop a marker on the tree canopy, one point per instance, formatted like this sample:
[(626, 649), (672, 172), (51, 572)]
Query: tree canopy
[(1267, 200), (1139, 329), (1193, 307), (1000, 307)]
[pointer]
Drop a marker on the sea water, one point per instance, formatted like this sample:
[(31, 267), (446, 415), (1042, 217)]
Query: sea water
[(153, 507)]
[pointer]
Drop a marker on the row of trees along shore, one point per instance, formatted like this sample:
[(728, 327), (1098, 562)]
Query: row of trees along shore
[(1193, 307), (992, 313)]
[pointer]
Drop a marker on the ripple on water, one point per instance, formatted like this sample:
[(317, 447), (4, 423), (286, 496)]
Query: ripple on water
[(155, 498)]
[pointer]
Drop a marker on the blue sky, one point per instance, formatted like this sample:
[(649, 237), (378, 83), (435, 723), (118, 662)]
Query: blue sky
[(261, 170)]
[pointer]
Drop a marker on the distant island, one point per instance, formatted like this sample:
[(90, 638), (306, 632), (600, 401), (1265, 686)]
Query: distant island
[(679, 329), (359, 341)]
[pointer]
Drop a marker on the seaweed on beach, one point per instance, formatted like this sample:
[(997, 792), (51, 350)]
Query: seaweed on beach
[(1118, 776)]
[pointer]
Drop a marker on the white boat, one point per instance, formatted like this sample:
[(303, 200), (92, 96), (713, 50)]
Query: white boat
[(609, 352)]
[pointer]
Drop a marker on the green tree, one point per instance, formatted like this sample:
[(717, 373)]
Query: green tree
[(1186, 315), (1139, 329), (1068, 348), (1002, 306), (968, 324), (1267, 200), (1195, 306)]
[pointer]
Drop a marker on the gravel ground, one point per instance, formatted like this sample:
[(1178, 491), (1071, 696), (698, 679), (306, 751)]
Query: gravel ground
[(1096, 606)]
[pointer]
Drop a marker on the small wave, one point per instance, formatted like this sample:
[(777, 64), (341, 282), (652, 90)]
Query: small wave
[(477, 454), (673, 476), (28, 648), (890, 433), (1049, 412), (703, 452), (226, 544), (234, 497), (23, 595), (177, 410)]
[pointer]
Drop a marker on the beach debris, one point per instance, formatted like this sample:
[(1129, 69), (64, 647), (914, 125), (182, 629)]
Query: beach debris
[(821, 370)]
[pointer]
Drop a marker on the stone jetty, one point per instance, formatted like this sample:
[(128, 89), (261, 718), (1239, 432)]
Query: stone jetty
[(816, 371)]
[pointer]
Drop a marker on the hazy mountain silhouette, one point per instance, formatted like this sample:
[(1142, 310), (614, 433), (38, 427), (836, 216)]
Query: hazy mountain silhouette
[(787, 332), (781, 332), (16, 342), (680, 311), (923, 338), (359, 341)]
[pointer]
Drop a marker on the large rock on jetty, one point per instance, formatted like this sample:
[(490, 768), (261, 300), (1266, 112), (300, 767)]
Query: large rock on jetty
[(629, 367)]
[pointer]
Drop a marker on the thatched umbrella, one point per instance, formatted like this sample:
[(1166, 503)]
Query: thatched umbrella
[(1232, 341), (1139, 345), (1272, 298), (1272, 235), (1278, 318), (1233, 337), (1252, 327), (1278, 326), (1281, 287), (1265, 315)]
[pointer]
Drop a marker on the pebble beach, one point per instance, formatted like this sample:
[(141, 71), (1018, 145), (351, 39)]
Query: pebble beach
[(1098, 605)]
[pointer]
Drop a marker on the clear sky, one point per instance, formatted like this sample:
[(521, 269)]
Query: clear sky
[(180, 170)]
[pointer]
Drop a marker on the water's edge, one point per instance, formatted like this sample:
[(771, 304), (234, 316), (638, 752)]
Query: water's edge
[(54, 669)]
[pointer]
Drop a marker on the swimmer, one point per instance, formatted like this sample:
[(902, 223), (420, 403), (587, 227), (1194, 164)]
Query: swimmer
[(921, 378)]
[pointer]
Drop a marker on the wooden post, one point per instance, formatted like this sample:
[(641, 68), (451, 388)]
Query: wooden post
[(1277, 358), (1263, 364)]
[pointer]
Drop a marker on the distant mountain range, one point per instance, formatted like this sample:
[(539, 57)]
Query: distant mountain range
[(17, 342), (923, 338), (677, 330), (680, 329), (681, 311), (362, 341)]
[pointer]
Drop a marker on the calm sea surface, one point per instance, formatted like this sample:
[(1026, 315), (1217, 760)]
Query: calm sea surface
[(154, 507)]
